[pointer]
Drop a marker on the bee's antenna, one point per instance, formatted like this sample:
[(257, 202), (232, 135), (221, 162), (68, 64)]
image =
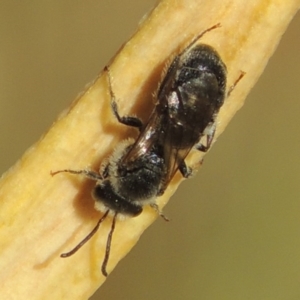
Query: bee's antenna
[(108, 244), (87, 238)]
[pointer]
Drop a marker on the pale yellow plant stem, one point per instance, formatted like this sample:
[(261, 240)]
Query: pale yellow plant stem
[(42, 216)]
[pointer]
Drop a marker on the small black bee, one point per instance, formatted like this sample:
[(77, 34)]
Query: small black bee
[(188, 101)]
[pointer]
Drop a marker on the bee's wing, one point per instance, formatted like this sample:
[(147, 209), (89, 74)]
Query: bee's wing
[(156, 130), (149, 137), (174, 156)]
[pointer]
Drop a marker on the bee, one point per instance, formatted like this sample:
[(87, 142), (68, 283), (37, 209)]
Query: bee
[(187, 103)]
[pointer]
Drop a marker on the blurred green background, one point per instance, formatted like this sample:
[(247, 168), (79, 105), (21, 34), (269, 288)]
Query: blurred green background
[(235, 229)]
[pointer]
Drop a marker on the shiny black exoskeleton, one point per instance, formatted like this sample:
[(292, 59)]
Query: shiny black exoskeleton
[(188, 100)]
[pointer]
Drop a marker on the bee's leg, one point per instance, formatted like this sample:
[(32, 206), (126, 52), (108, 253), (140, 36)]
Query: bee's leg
[(87, 173), (126, 120), (231, 88), (156, 208), (196, 38), (210, 133), (185, 171)]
